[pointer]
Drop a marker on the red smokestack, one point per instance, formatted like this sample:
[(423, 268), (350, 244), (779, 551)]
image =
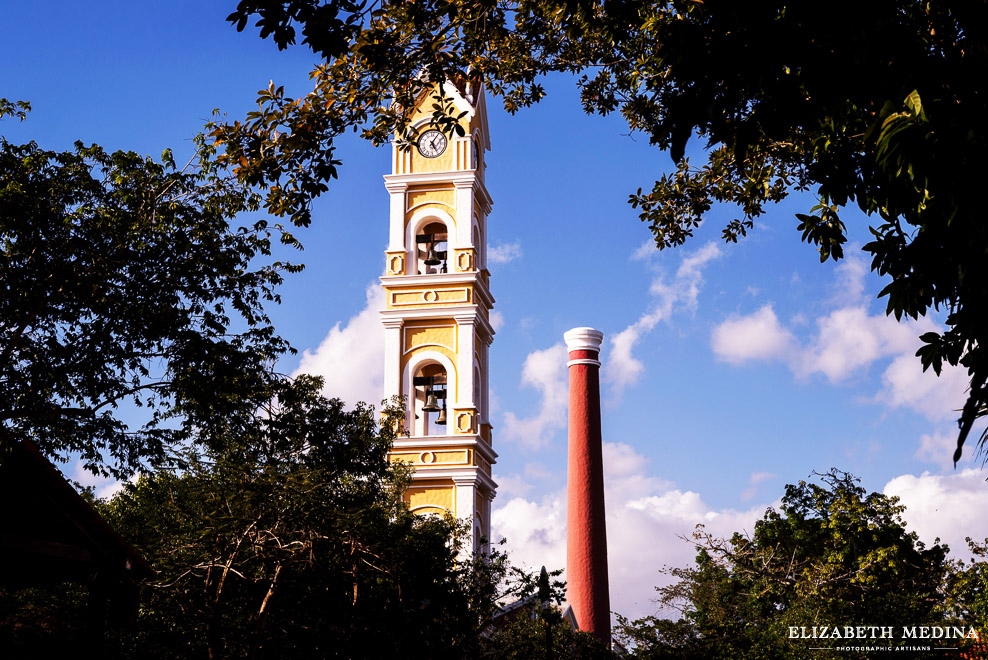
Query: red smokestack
[(586, 537)]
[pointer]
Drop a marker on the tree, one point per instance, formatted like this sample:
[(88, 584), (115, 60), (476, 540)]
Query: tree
[(124, 283), (524, 638), (877, 104), (831, 555), (291, 540), (967, 588), (532, 626)]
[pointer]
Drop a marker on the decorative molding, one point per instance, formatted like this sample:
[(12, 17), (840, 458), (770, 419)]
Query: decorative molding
[(441, 442), (595, 363), (453, 177), (446, 296), (431, 314), (464, 422), (408, 346), (473, 278), (419, 509), (396, 264), (426, 280), (464, 260)]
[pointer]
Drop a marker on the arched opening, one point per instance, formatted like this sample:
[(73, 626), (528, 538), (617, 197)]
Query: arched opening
[(431, 249), (478, 245), (430, 400), (476, 382)]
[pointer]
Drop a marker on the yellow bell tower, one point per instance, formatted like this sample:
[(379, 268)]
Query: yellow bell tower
[(437, 313)]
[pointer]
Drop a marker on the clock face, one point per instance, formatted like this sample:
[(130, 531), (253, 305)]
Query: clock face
[(432, 144)]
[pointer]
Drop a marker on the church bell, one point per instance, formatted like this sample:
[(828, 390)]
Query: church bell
[(432, 259), (431, 403)]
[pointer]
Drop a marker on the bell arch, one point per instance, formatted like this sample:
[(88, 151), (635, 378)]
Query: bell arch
[(435, 374), (428, 234)]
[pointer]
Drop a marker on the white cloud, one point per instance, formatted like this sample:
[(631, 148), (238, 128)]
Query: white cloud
[(621, 368), (851, 273), (528, 323), (538, 471), (535, 531), (512, 485), (937, 447), (351, 357), (645, 251), (504, 252), (756, 478), (517, 485), (647, 519), (847, 340), (758, 336), (497, 320), (946, 506), (905, 384), (545, 371)]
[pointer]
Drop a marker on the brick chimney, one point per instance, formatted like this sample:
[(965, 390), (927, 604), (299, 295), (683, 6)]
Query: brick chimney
[(586, 536)]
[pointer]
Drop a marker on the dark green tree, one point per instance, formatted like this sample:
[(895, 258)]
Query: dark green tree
[(877, 104), (832, 555), (524, 638), (290, 540), (533, 627), (124, 282), (967, 589)]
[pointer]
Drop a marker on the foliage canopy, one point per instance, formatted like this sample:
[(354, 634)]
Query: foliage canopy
[(291, 540), (124, 284), (832, 555), (878, 104)]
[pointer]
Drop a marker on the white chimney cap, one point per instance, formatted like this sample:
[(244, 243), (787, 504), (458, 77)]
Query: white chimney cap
[(583, 339)]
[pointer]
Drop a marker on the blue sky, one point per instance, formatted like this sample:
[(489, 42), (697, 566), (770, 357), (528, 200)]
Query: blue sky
[(729, 370)]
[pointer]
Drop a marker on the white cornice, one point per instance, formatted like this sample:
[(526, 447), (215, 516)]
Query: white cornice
[(453, 177), (440, 279), (430, 442), (463, 476), (438, 312), (459, 179), (432, 279)]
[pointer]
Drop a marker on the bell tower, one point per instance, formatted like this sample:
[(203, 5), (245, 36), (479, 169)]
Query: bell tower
[(437, 311)]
